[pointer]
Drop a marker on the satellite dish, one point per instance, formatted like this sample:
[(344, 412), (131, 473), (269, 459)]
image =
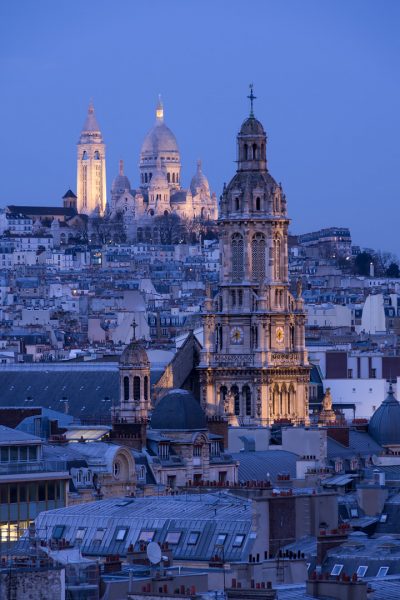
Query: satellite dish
[(153, 552)]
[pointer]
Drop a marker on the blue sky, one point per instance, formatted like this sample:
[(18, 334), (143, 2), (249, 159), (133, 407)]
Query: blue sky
[(326, 77)]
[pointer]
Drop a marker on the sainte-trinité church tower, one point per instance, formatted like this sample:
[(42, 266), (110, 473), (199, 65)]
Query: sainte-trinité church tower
[(254, 367)]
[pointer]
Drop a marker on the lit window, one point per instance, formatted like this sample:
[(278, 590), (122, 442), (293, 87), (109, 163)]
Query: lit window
[(121, 534), (173, 537), (57, 532), (238, 541), (382, 571), (98, 536), (80, 534), (362, 569), (354, 513), (221, 539), (146, 536), (337, 569), (193, 537)]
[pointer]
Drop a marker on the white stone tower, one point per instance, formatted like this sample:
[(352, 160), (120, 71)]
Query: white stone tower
[(254, 367), (91, 168)]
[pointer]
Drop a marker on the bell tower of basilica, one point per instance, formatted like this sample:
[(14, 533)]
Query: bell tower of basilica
[(254, 367)]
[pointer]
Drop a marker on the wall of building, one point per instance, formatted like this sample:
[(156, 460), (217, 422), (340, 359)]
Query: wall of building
[(16, 584), (366, 394)]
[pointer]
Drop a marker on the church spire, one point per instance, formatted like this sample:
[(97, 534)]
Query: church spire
[(160, 110), (251, 97), (121, 167)]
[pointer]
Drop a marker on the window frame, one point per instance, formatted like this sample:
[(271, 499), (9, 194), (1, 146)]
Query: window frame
[(121, 533), (190, 541), (221, 535), (238, 543), (384, 568), (365, 569), (176, 536), (143, 538), (60, 529), (336, 570)]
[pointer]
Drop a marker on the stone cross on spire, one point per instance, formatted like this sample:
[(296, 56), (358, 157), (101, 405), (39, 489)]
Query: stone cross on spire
[(121, 167), (134, 325), (251, 97)]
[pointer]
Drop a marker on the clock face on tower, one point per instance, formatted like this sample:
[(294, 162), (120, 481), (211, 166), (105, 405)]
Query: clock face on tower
[(237, 335), (280, 335)]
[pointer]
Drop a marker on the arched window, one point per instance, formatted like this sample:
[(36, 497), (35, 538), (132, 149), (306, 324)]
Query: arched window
[(254, 151), (283, 400), (245, 152), (165, 213), (126, 388), (247, 399), (233, 298), (237, 204), (136, 387), (237, 257), (140, 234), (169, 177), (146, 387), (258, 256), (290, 400), (258, 203), (97, 155), (150, 176), (173, 177), (145, 178), (292, 337), (277, 258), (218, 338), (222, 394), (275, 398), (236, 399)]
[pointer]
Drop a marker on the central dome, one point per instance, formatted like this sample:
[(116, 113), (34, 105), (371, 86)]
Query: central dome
[(178, 410), (160, 139)]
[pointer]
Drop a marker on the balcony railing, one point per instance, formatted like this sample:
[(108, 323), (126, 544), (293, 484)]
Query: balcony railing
[(46, 466)]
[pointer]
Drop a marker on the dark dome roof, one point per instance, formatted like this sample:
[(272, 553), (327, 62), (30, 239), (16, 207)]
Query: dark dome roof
[(178, 409), (135, 354), (384, 425), (251, 126)]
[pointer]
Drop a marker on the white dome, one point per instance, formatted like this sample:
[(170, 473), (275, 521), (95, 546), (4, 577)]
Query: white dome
[(199, 181), (160, 139), (121, 182)]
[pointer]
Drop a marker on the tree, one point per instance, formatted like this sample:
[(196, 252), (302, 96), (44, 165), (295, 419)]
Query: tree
[(362, 263), (393, 270)]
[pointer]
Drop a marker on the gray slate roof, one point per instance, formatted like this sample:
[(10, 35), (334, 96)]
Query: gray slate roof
[(256, 465), (84, 385), (207, 514)]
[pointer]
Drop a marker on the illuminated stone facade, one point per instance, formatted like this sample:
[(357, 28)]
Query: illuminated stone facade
[(254, 367), (91, 168), (160, 192)]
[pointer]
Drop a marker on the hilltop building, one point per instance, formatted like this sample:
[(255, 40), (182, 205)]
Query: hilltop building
[(160, 192)]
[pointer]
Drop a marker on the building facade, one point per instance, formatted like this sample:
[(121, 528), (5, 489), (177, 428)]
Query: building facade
[(254, 366)]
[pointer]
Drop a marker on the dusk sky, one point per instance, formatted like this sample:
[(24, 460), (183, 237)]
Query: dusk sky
[(326, 76)]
